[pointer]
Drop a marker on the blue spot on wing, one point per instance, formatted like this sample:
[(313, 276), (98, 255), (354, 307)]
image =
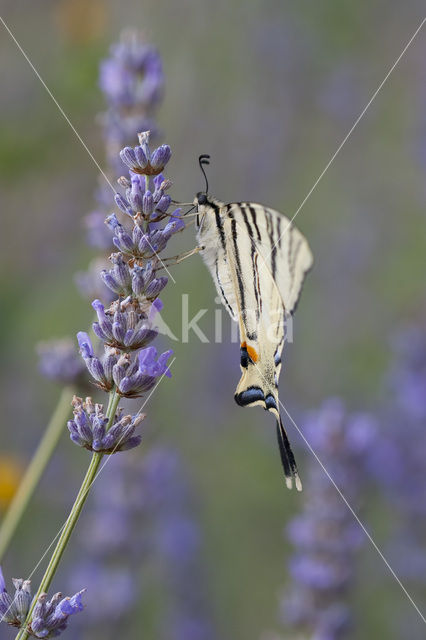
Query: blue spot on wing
[(250, 395)]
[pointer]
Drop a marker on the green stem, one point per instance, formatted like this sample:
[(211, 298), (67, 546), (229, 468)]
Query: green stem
[(35, 470), (72, 519), (36, 467)]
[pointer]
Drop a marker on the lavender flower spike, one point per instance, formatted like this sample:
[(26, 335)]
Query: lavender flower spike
[(14, 610), (325, 535), (140, 159), (49, 618), (88, 428), (125, 327)]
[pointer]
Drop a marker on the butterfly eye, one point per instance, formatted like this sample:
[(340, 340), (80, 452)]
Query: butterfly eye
[(202, 198)]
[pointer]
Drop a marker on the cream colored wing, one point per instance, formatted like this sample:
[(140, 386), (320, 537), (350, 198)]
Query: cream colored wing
[(261, 320), (284, 249)]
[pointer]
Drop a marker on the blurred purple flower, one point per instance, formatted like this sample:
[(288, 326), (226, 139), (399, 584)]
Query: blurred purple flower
[(98, 235), (407, 378), (143, 514), (110, 591), (342, 94), (400, 461), (132, 81), (90, 283), (325, 534), (59, 360), (132, 75)]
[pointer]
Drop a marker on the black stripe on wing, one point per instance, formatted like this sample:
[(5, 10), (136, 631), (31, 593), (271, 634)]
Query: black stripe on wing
[(219, 225), (255, 394), (237, 259), (253, 217), (222, 291), (270, 231), (253, 258)]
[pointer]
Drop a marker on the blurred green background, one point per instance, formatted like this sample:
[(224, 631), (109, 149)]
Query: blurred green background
[(269, 90)]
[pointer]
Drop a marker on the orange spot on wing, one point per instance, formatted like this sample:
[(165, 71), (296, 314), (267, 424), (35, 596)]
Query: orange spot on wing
[(252, 353)]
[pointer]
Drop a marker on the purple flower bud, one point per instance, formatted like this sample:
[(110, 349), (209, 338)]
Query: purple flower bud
[(142, 337), (102, 328), (96, 369), (120, 369), (155, 287), (163, 204), (110, 281), (14, 610), (85, 344), (119, 331), (141, 158), (176, 224), (136, 193), (144, 244), (128, 157), (124, 241), (121, 271), (69, 606), (160, 157), (138, 280), (137, 234), (123, 205), (112, 222), (148, 203)]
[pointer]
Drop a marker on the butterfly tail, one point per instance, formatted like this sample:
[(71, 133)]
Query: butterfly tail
[(287, 458)]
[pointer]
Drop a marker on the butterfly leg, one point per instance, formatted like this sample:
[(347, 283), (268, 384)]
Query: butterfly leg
[(188, 254), (182, 256)]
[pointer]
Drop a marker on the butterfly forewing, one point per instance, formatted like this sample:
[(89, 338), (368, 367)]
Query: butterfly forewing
[(258, 261), (284, 249)]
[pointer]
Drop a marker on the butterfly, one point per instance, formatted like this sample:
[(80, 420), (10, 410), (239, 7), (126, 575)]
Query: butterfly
[(258, 261)]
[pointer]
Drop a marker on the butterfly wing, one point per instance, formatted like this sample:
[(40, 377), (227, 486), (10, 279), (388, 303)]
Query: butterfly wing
[(259, 276), (284, 249), (261, 318)]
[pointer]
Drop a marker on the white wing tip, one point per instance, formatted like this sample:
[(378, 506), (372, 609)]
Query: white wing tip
[(297, 482)]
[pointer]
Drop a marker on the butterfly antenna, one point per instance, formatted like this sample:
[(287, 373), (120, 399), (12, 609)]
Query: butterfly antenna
[(202, 160)]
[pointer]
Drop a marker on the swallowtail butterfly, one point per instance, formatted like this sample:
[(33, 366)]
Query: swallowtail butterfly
[(258, 261)]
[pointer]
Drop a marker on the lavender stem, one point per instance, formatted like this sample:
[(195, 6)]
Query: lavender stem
[(35, 469), (72, 519)]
